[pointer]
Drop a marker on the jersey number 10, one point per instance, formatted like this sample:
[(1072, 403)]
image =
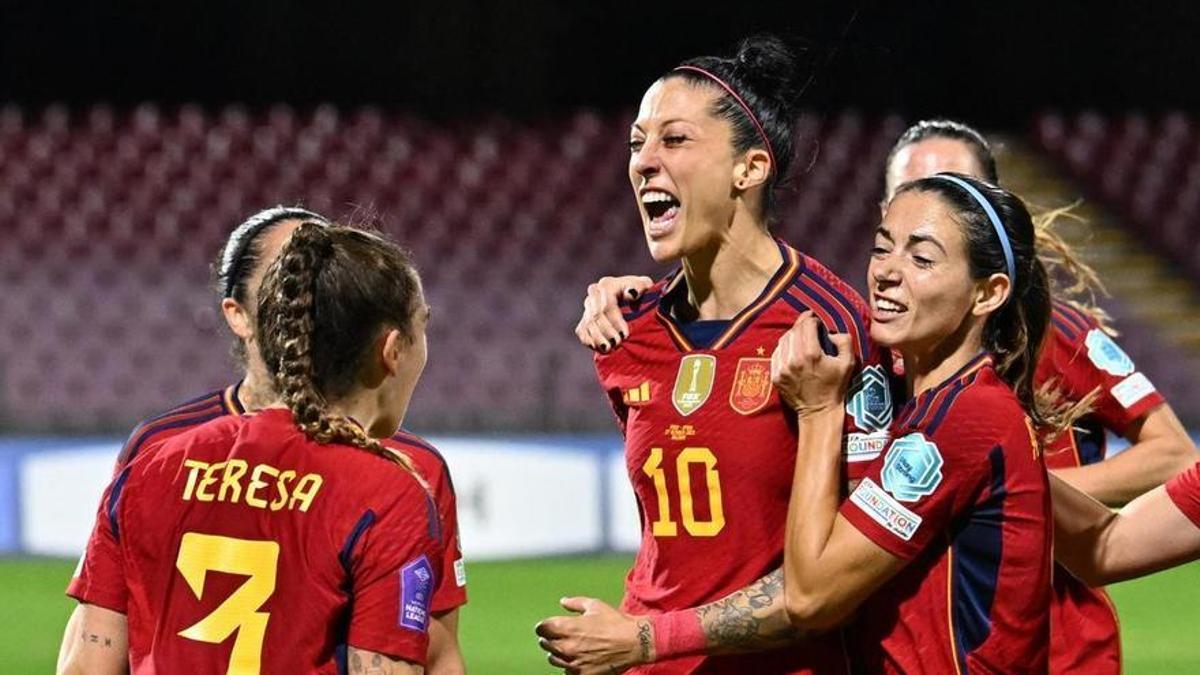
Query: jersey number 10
[(663, 526)]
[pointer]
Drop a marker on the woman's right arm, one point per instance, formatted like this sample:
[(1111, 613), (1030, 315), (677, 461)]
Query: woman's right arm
[(365, 662), (96, 642), (1100, 546)]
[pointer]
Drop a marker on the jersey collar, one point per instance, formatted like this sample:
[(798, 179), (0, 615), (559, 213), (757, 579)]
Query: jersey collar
[(783, 277)]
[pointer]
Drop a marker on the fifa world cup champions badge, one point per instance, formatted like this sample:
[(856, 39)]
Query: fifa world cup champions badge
[(694, 382)]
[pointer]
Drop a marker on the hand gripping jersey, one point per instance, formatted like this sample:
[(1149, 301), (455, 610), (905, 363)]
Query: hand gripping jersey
[(961, 493), (1184, 490), (710, 448), (1078, 358), (243, 547), (451, 591)]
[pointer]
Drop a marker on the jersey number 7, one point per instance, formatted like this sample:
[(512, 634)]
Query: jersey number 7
[(258, 560)]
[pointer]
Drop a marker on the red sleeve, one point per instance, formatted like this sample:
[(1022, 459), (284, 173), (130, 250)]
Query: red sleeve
[(100, 577), (451, 589), (394, 576), (1087, 360), (914, 491), (1184, 490)]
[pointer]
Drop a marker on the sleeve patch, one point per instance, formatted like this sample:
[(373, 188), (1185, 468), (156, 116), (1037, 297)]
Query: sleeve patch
[(865, 447), (912, 468), (1107, 356), (416, 592), (460, 573), (870, 399), (889, 513), (1132, 389)]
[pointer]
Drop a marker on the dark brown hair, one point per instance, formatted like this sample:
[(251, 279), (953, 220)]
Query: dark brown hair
[(323, 304), (1015, 332), (763, 73)]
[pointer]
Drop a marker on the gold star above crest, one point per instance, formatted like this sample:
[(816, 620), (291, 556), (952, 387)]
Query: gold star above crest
[(761, 351)]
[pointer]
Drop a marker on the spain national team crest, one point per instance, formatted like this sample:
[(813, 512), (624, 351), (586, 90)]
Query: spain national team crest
[(694, 382), (751, 385)]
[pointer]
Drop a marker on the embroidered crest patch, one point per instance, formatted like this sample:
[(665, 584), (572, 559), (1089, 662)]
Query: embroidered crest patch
[(751, 385)]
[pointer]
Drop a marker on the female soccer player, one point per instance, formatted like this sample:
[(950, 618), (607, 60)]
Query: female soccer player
[(238, 272), (1159, 529), (944, 548), (1079, 360), (310, 521), (708, 443)]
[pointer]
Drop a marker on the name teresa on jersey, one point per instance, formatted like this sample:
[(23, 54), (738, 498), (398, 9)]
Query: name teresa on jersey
[(286, 491)]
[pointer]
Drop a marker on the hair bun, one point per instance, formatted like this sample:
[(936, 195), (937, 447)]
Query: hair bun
[(768, 66)]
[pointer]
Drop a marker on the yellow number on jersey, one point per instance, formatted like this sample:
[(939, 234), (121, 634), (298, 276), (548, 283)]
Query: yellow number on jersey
[(199, 553), (663, 526)]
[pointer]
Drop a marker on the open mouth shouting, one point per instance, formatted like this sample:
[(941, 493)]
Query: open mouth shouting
[(662, 208)]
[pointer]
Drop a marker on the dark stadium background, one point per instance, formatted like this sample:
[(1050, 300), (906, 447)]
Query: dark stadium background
[(1071, 90), (993, 63)]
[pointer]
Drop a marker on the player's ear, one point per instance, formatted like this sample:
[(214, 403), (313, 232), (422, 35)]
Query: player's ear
[(238, 319), (753, 170), (990, 294), (393, 347)]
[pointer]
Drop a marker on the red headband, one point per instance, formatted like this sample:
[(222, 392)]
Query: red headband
[(749, 113)]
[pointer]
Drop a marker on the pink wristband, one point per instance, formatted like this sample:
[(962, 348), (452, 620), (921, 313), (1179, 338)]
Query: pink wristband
[(678, 633)]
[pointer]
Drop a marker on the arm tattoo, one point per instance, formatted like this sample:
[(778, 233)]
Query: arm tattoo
[(380, 665), (96, 639), (644, 639), (748, 619)]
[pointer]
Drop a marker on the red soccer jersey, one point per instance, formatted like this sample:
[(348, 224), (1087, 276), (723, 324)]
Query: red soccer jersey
[(451, 591), (710, 448), (1078, 358), (961, 494), (1184, 490), (243, 545)]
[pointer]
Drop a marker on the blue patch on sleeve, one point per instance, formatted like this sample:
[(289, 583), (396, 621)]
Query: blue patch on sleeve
[(1107, 356), (912, 468), (870, 400), (416, 592)]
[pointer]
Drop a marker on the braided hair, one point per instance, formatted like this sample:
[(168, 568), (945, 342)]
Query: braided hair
[(322, 306)]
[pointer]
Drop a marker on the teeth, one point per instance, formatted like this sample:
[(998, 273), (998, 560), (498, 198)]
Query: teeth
[(888, 305), (656, 196)]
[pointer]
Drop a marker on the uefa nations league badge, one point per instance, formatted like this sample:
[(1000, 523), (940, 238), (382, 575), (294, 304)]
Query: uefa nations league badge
[(869, 400), (416, 592)]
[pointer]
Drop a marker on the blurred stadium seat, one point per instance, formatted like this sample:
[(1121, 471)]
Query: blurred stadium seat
[(112, 216)]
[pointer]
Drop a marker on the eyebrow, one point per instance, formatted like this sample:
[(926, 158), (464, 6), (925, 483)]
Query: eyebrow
[(912, 238), (919, 238), (664, 123)]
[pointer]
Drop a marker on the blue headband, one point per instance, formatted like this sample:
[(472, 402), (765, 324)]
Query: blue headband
[(992, 216)]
